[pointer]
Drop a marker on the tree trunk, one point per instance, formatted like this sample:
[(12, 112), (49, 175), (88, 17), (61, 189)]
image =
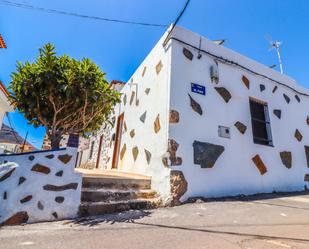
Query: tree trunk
[(55, 141)]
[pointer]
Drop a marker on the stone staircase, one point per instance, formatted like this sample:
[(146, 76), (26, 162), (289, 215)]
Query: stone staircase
[(112, 194)]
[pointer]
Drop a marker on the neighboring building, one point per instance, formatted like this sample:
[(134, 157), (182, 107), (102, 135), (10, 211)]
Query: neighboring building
[(12, 142), (5, 105), (203, 120)]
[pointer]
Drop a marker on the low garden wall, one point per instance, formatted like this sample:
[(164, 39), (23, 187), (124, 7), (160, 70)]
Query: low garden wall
[(39, 186)]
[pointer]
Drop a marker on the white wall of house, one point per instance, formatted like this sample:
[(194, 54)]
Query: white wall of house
[(4, 106), (234, 172)]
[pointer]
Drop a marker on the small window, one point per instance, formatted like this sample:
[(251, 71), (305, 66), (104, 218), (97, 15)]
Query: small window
[(260, 122), (91, 150)]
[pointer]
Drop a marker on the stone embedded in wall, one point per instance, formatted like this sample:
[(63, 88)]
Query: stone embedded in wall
[(156, 124), (165, 161), (31, 158), (132, 133), (286, 158), (16, 219), (59, 199), (123, 151), (262, 87), (40, 205), (298, 135), (124, 99), (275, 89), (297, 98), (307, 120), (241, 127), (187, 53), (50, 187), (179, 186), (132, 97), (287, 98), (143, 117), (259, 164), (137, 102), (277, 113), (135, 152), (306, 178), (5, 195), (59, 173), (224, 93), (159, 67), (7, 175), (125, 128), (21, 180), (172, 149), (147, 91), (65, 158), (195, 106), (206, 154), (50, 156), (307, 154), (173, 116), (26, 199), (246, 81), (144, 71), (55, 215), (148, 156), (40, 169)]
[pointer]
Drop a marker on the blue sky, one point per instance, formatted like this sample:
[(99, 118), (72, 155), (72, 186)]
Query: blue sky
[(119, 48)]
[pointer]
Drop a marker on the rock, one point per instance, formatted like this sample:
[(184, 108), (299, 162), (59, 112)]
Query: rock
[(5, 195), (241, 127), (16, 219), (124, 100), (50, 156), (165, 161), (132, 97), (55, 215), (123, 151), (125, 126), (147, 91), (286, 158), (172, 148), (187, 53), (175, 161), (297, 98), (135, 153), (195, 106), (7, 174), (65, 158), (40, 205), (31, 158), (259, 164), (173, 116), (156, 124), (21, 180), (50, 187), (26, 199), (306, 179), (287, 99), (143, 117), (225, 94), (206, 154), (298, 135), (59, 199), (59, 173), (159, 67), (307, 154), (132, 133), (40, 169), (178, 185), (262, 87), (144, 71), (275, 89), (246, 81), (148, 156), (277, 113)]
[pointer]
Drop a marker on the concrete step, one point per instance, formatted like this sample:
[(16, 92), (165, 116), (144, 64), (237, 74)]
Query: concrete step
[(98, 208), (108, 195), (116, 183)]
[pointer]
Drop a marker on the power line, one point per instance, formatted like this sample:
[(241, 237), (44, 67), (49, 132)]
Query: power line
[(61, 12), (12, 129)]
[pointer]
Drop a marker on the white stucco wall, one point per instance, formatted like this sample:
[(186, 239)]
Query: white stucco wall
[(234, 172), (11, 192)]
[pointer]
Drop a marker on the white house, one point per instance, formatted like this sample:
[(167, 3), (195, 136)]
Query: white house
[(5, 105), (203, 120)]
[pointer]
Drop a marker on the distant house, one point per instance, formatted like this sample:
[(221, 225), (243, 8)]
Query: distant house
[(5, 105), (12, 142)]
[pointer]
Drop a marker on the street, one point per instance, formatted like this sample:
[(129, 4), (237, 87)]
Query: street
[(267, 221)]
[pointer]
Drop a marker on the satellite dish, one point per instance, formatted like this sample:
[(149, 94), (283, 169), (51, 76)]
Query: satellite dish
[(275, 45)]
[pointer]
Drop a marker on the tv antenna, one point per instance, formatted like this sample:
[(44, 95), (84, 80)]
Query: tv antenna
[(275, 45)]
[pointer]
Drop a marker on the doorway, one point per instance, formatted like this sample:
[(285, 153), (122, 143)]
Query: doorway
[(117, 141)]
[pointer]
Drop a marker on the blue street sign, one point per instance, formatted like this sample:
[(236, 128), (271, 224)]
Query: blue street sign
[(196, 88)]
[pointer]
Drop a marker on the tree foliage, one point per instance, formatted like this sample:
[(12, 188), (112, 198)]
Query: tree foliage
[(64, 95)]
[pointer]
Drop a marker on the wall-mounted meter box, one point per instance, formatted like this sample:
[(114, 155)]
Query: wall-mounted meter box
[(224, 131)]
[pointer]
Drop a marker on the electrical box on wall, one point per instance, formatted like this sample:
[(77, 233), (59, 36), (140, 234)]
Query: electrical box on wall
[(224, 131)]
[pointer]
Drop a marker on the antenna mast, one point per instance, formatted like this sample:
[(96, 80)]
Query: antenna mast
[(275, 45)]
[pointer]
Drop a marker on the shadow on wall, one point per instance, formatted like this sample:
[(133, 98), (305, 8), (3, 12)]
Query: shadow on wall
[(39, 186)]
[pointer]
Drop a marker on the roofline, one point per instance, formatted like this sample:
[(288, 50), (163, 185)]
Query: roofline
[(4, 89)]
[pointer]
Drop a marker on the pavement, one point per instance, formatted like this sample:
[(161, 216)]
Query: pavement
[(258, 222)]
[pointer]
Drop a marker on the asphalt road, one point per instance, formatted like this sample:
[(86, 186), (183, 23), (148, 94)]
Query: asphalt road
[(269, 221)]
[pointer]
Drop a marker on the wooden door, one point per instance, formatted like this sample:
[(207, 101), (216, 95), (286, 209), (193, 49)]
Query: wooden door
[(117, 141)]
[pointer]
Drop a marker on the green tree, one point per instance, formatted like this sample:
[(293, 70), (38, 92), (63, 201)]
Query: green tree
[(64, 95)]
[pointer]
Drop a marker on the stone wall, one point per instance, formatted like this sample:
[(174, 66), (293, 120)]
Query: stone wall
[(39, 186)]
